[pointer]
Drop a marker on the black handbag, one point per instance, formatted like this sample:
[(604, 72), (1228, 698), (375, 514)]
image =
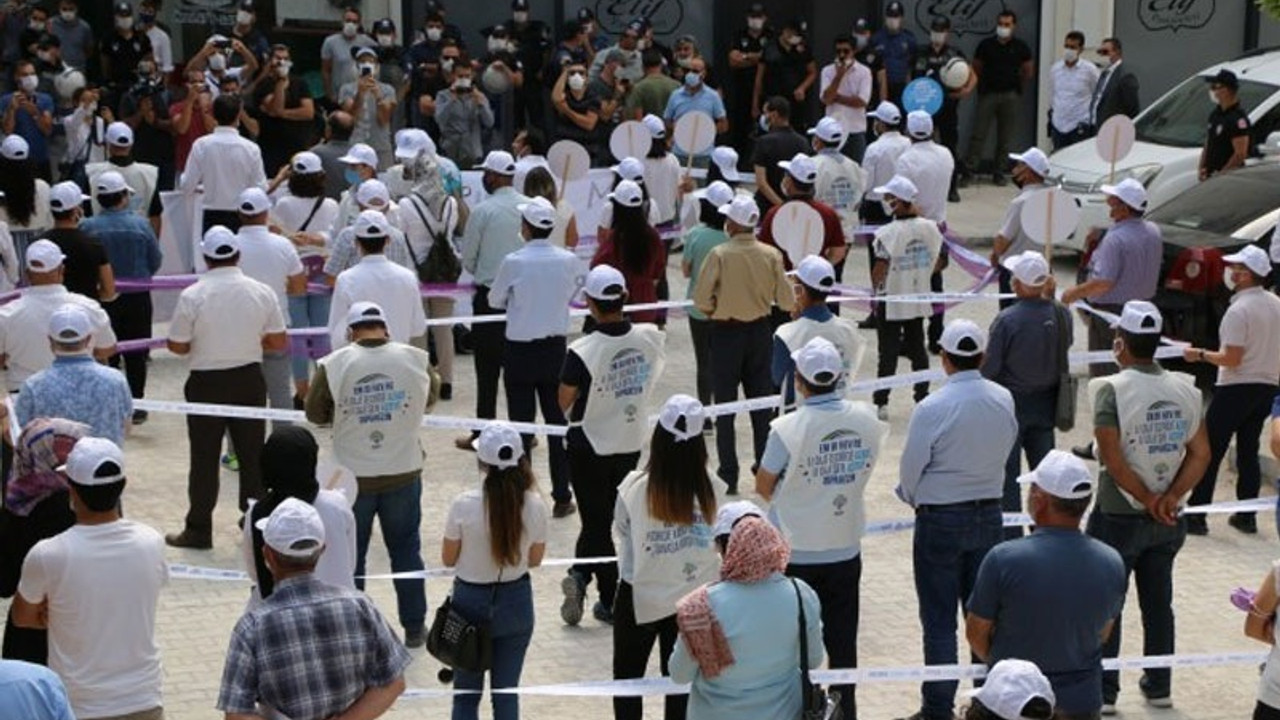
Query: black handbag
[(816, 702), (459, 643), (441, 265)]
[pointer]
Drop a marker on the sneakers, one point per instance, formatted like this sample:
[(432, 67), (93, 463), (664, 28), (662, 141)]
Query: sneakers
[(1246, 523), (446, 391), (139, 417), (231, 462), (882, 413), (1163, 700), (1199, 525), (189, 540), (415, 637), (602, 613), (574, 588), (563, 509), (463, 442), (1084, 452), (1108, 709)]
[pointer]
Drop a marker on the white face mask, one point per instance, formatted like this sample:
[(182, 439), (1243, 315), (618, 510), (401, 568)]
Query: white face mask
[(520, 17), (36, 25), (68, 15), (124, 23), (577, 82), (45, 56), (434, 34), (446, 64), (860, 41), (588, 28), (284, 67), (1213, 97), (350, 29), (462, 84), (938, 38), (386, 40), (217, 62), (893, 24), (244, 17), (1070, 55), (1004, 33), (29, 82), (1228, 279), (642, 44), (497, 45), (755, 23), (794, 40)]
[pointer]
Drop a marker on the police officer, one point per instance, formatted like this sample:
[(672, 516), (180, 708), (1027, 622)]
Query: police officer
[(929, 63), (897, 48), (533, 47), (1227, 144), (744, 57)]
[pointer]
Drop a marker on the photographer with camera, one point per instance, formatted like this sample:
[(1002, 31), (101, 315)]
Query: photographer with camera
[(215, 58), (145, 109), (192, 118), (286, 112), (371, 103), (28, 113)]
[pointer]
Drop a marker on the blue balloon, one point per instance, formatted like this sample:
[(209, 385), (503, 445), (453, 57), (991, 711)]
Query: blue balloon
[(923, 94)]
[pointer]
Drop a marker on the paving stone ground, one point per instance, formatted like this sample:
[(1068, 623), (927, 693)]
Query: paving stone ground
[(195, 617)]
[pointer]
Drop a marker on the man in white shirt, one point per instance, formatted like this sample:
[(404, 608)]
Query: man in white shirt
[(95, 588), (534, 285), (879, 163), (273, 261), (376, 279), (929, 166), (845, 91), (223, 163), (1073, 80), (1029, 171), (223, 324), (371, 195)]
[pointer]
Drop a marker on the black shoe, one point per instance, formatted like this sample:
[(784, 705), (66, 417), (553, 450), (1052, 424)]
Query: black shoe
[(934, 348), (999, 180), (415, 637), (574, 587), (602, 613), (189, 540), (563, 509), (299, 402), (446, 391), (1084, 452), (732, 489), (953, 196), (1246, 523), (867, 323), (1198, 525), (139, 417), (1154, 699)]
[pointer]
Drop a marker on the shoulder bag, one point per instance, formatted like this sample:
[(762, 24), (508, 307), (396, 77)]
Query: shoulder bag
[(816, 702), (459, 643), (441, 265), (1064, 417)]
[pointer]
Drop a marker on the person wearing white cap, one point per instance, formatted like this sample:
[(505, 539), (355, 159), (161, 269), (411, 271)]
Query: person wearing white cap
[(1124, 266), (371, 102), (633, 170), (225, 360), (879, 163), (605, 385), (798, 186), (377, 278), (779, 142), (374, 391), (699, 241), (25, 210), (838, 183), (142, 178), (463, 113), (331, 651), (1056, 572), (845, 89), (360, 165), (1153, 449), (1013, 690), (664, 522), (222, 164), (535, 285), (1248, 362), (493, 535), (371, 195), (907, 253), (75, 386), (951, 473), (88, 269), (96, 587), (815, 281), (815, 471), (24, 323), (1029, 172), (930, 167)]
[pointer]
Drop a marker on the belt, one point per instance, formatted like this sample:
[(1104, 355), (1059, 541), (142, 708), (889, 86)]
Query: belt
[(763, 318), (966, 505)]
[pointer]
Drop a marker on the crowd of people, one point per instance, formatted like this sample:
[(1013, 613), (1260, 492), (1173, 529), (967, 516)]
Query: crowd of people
[(328, 224)]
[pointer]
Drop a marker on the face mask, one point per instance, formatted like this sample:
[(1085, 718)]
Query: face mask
[(764, 123), (243, 17), (1004, 33), (1117, 348), (124, 23), (938, 38), (284, 67), (497, 45), (692, 80), (29, 82), (520, 17), (434, 34), (1213, 97), (350, 29), (1229, 280), (642, 44), (386, 40), (684, 62), (589, 28), (446, 64), (794, 40), (217, 62), (36, 25), (462, 84), (93, 108), (893, 24), (146, 18), (577, 82), (68, 15), (44, 56), (1070, 55), (861, 41), (351, 176), (755, 23), (146, 70), (368, 69)]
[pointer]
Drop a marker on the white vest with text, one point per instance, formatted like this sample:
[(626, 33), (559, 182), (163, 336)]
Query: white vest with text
[(142, 177), (379, 396), (624, 370), (912, 246), (838, 331)]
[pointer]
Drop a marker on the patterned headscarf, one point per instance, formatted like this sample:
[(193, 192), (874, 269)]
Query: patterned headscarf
[(755, 552), (43, 446)]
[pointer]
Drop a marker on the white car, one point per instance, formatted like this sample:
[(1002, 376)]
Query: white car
[(1170, 133)]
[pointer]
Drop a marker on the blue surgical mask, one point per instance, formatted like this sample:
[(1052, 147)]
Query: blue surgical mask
[(351, 176), (692, 80)]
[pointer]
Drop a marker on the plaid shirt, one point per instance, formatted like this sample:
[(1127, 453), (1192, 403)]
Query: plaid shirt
[(309, 651)]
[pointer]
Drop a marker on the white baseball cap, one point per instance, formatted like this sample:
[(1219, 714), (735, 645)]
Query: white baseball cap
[(538, 212), (15, 147), (819, 362), (94, 461), (1029, 268), (801, 167), (410, 142), (120, 135), (726, 158), (730, 513), (499, 445), (656, 127), (254, 201), (1138, 317), (816, 272), (718, 193), (373, 193), (1252, 257), (110, 183), (219, 243), (70, 324), (899, 187), (44, 256), (500, 162), (627, 193), (605, 282), (294, 529), (887, 113), (678, 408), (1062, 475), (829, 130), (365, 312), (1129, 191), (963, 338), (371, 224), (629, 169), (66, 196), (307, 163), (1010, 685), (742, 210), (360, 154), (919, 124), (1033, 158)]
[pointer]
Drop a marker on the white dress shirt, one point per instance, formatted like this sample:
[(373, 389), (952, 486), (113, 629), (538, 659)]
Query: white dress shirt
[(270, 259), (378, 280), (928, 165), (24, 330), (535, 285), (225, 164), (224, 317), (881, 160), (1072, 92), (161, 48), (855, 83)]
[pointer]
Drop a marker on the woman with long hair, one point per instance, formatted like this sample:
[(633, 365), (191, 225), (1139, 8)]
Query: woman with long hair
[(493, 535), (663, 518), (629, 169), (24, 205), (634, 248), (539, 182)]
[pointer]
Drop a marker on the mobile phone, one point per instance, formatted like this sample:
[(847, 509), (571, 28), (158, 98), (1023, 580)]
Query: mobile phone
[(365, 71)]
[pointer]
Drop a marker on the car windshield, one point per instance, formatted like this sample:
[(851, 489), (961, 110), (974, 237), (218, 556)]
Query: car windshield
[(1253, 192), (1181, 117)]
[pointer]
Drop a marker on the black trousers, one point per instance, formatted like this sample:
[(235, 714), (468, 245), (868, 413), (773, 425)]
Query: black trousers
[(130, 315), (595, 481), (895, 336), (241, 385), (487, 343), (948, 123), (1262, 711), (700, 332), (229, 219), (837, 586), (742, 356), (632, 645), (938, 318), (531, 377), (1239, 410)]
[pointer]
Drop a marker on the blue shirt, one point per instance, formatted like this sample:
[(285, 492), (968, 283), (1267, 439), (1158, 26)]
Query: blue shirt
[(32, 692), (1050, 595), (957, 443), (130, 242), (782, 367), (1022, 350), (1129, 256), (897, 53), (27, 127), (704, 100), (77, 387)]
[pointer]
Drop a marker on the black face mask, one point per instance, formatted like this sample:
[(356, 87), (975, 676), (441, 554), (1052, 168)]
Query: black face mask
[(487, 184)]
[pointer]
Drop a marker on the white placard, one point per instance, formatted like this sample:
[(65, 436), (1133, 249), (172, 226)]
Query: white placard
[(695, 133), (630, 139), (1050, 216), (1115, 138), (797, 230), (569, 161)]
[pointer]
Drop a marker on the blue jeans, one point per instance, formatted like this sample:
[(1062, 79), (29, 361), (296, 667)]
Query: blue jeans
[(307, 311), (399, 513), (509, 613), (1035, 412), (1148, 549), (949, 545)]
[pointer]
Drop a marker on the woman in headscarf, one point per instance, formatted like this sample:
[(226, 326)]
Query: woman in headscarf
[(36, 506), (289, 470), (739, 639)]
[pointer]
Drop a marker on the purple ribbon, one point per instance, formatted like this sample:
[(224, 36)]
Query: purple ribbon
[(178, 282)]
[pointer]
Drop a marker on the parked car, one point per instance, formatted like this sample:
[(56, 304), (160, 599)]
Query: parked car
[(1170, 133)]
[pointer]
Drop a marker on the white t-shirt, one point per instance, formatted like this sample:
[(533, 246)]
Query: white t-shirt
[(929, 166), (41, 219), (24, 329), (468, 522), (662, 178), (1252, 322), (203, 318), (270, 259), (880, 161), (161, 48), (290, 212), (395, 289), (102, 583)]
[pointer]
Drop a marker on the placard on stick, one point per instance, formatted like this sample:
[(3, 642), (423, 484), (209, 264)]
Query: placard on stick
[(1049, 217), (695, 133), (1114, 141), (798, 231), (630, 139), (569, 161)]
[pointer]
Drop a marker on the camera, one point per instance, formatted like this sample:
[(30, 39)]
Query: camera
[(146, 87), (366, 71), (222, 44)]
